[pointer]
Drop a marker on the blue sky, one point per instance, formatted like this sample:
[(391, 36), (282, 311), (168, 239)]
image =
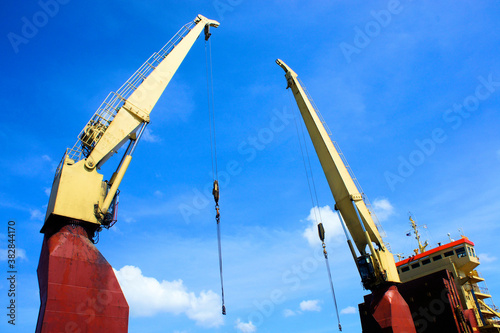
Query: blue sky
[(410, 90)]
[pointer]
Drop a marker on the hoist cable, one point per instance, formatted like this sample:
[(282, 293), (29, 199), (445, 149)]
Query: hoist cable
[(209, 104), (321, 234), (213, 152), (220, 260), (331, 286), (308, 171), (321, 230), (211, 108)]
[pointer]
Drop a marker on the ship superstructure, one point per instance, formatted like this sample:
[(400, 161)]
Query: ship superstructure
[(459, 258)]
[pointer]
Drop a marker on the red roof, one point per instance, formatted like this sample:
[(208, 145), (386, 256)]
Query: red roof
[(434, 250)]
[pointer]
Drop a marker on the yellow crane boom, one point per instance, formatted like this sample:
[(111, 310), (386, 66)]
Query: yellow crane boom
[(375, 263), (79, 192)]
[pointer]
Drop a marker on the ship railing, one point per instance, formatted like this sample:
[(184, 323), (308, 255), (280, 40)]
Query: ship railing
[(485, 310), (476, 273), (482, 290), (75, 154)]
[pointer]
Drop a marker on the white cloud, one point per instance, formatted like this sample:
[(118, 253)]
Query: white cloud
[(331, 224), (348, 310), (383, 209), (129, 219), (245, 327), (311, 305), (486, 258), (36, 214), (47, 191), (289, 313), (116, 229), (147, 296), (20, 254), (48, 159), (148, 136)]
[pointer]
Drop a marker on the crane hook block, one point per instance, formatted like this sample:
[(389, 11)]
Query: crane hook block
[(215, 192), (321, 232), (207, 32)]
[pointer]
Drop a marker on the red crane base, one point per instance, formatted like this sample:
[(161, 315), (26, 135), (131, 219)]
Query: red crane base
[(79, 291), (386, 311)]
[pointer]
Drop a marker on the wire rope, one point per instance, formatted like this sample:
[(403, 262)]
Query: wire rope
[(315, 201), (213, 152)]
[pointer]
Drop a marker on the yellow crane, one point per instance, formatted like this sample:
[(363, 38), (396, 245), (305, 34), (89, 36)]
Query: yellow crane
[(375, 263), (78, 288), (79, 192)]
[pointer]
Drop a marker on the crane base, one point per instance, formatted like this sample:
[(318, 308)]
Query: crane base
[(385, 311), (79, 291)]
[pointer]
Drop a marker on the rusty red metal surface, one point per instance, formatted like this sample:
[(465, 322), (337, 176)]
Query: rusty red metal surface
[(385, 310), (471, 319), (79, 291)]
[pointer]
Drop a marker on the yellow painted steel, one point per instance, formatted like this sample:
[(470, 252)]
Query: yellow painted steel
[(495, 313), (347, 197), (138, 106), (75, 192), (78, 191), (116, 182)]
